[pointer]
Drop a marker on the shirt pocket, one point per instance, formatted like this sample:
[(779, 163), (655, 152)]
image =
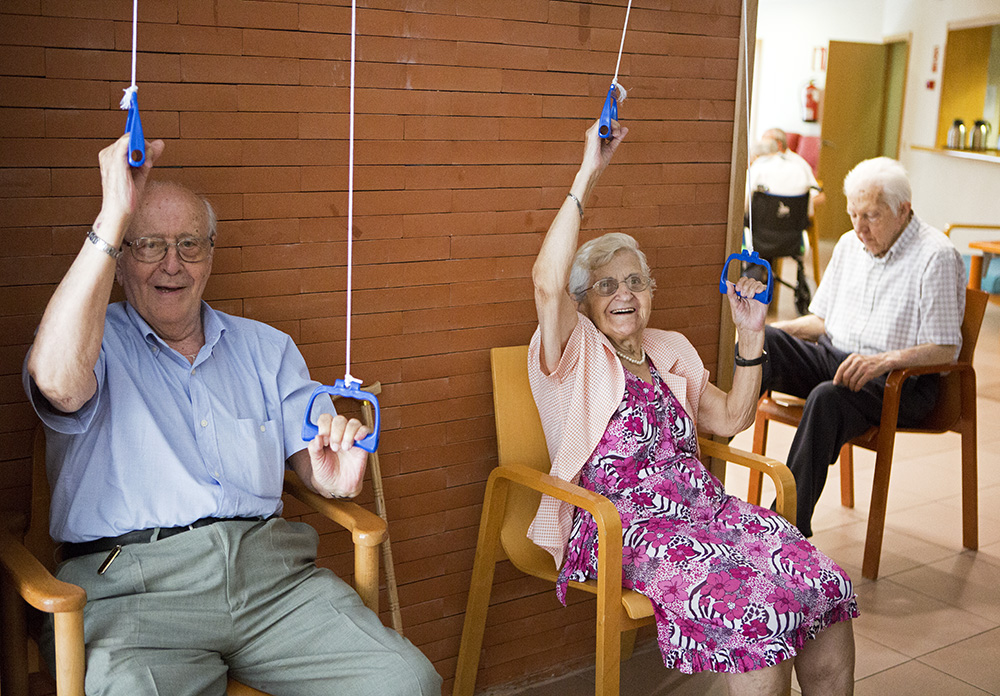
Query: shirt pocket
[(259, 456)]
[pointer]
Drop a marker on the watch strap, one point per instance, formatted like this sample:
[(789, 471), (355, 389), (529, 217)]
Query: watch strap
[(744, 362)]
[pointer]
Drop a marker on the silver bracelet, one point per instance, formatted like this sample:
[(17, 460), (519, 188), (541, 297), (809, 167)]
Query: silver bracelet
[(579, 205), (102, 245)]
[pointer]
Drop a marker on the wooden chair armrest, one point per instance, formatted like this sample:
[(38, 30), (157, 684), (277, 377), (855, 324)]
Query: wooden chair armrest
[(898, 376), (604, 512), (780, 475), (367, 528), (34, 582)]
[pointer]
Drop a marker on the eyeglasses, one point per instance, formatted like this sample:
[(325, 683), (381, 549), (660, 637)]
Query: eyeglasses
[(153, 249), (606, 287)]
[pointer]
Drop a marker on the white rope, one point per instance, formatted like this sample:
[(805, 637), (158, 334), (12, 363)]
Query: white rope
[(348, 379), (132, 89), (621, 90), (746, 90)]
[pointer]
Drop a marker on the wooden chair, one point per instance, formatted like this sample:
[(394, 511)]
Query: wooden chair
[(513, 492), (955, 411), (27, 556)]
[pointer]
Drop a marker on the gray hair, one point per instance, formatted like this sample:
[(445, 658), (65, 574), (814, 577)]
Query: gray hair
[(883, 175), (596, 253)]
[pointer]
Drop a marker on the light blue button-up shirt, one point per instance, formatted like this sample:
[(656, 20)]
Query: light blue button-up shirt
[(163, 442)]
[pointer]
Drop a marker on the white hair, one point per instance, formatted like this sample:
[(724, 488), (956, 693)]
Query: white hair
[(882, 175), (596, 253)]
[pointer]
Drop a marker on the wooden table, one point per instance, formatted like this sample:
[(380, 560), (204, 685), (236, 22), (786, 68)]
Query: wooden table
[(979, 264)]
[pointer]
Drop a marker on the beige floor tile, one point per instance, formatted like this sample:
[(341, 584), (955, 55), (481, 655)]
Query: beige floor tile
[(940, 524), (915, 679), (975, 660), (911, 622), (872, 657), (967, 581), (900, 552)]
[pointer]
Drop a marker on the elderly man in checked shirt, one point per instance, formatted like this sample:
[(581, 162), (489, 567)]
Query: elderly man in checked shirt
[(893, 296)]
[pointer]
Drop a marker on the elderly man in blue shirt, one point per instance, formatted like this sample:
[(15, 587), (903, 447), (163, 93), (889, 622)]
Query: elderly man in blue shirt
[(168, 426)]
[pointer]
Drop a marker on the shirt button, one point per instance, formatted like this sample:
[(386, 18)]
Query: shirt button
[(192, 370), (262, 428), (204, 424)]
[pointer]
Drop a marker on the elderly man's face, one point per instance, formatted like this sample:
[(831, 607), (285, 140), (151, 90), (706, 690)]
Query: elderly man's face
[(167, 293), (876, 225)]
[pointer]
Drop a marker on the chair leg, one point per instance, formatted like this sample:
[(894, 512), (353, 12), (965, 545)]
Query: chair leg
[(880, 498), (70, 658), (759, 445), (814, 245), (480, 586), (970, 464), (847, 475)]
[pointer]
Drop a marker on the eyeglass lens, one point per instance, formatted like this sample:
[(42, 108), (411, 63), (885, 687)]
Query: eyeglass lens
[(609, 286), (152, 249)]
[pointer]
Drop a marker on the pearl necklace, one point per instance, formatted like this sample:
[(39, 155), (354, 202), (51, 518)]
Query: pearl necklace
[(640, 361)]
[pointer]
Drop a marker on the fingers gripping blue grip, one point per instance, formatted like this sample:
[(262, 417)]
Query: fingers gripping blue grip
[(609, 113), (751, 257), (133, 126), (350, 391)]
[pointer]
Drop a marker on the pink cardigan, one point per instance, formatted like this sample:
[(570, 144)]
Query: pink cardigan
[(577, 400)]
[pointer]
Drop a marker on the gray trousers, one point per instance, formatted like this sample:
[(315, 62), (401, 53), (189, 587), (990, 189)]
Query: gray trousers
[(179, 615)]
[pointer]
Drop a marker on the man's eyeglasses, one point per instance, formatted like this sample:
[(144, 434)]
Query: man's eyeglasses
[(606, 287), (153, 249)]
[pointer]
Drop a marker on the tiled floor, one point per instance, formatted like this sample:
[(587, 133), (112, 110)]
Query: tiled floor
[(930, 625)]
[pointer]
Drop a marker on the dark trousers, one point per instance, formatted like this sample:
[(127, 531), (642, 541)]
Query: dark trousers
[(833, 414)]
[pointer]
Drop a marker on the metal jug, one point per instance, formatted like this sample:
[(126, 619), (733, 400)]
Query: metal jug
[(980, 131), (956, 135)]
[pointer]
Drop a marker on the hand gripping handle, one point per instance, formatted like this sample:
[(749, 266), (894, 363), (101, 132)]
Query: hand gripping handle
[(133, 126), (754, 258), (609, 113), (351, 391)]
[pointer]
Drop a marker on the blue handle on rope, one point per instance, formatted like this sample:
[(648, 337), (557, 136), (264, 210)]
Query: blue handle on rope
[(754, 258), (133, 126), (350, 391), (609, 113)]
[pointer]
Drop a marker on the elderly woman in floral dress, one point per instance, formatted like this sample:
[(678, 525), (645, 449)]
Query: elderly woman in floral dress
[(735, 588)]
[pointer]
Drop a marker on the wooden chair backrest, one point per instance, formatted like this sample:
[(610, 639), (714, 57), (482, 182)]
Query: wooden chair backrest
[(36, 538), (520, 440), (949, 404)]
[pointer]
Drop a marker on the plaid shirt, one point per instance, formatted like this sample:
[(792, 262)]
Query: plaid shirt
[(914, 294)]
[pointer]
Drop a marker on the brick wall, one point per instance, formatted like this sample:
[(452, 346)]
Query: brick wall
[(469, 127)]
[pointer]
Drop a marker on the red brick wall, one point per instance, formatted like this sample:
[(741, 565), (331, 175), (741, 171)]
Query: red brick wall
[(469, 127)]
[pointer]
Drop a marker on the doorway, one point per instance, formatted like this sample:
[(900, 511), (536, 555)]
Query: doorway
[(861, 118)]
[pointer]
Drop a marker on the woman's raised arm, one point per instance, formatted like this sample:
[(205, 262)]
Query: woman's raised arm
[(550, 274)]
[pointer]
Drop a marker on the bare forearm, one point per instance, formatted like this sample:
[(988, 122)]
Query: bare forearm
[(808, 327), (69, 336)]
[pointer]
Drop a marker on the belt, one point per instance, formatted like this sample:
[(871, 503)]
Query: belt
[(142, 536)]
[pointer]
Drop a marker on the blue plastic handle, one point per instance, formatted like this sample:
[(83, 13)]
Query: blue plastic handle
[(133, 126), (350, 391), (609, 113), (754, 258)]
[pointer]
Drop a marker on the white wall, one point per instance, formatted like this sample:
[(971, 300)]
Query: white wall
[(945, 189)]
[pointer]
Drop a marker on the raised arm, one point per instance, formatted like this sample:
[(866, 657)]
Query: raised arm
[(556, 309), (69, 336)]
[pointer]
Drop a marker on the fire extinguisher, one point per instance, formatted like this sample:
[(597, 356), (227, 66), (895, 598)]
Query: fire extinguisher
[(810, 102)]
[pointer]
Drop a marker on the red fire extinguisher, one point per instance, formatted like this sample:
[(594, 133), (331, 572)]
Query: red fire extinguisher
[(810, 102)]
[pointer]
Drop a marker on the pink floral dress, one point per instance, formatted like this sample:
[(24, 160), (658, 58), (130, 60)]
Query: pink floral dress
[(734, 587)]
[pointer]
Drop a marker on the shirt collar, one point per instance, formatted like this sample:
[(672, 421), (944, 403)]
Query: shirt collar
[(211, 324)]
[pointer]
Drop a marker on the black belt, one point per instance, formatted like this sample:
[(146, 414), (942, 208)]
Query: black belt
[(142, 536)]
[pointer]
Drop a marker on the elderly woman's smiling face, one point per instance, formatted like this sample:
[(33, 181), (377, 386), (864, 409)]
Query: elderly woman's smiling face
[(623, 315)]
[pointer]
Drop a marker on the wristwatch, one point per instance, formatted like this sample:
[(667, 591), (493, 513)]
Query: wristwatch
[(743, 362)]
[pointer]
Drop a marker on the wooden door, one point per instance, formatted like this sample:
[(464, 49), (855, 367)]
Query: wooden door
[(853, 104)]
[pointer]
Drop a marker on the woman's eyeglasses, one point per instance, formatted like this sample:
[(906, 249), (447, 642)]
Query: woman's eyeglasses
[(153, 249), (609, 286)]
